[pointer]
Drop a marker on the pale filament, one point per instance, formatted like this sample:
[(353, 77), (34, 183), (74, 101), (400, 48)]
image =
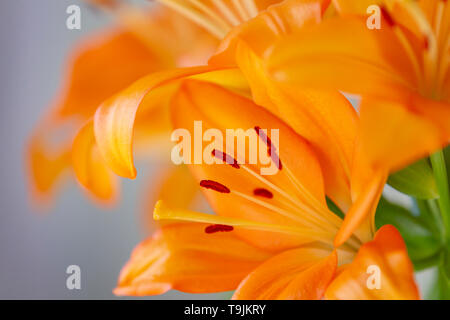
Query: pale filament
[(313, 207), (203, 15)]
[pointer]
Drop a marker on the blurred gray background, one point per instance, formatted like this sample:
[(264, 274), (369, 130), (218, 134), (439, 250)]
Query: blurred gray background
[(36, 248)]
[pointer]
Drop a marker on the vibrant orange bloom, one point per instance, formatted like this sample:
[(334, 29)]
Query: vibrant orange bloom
[(401, 70), (240, 53), (101, 66), (272, 237), (317, 116)]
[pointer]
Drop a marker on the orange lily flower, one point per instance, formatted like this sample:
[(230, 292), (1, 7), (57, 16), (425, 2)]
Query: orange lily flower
[(155, 267), (311, 113), (102, 65), (272, 237), (401, 70)]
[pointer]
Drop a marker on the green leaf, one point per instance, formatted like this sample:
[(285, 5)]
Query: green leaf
[(422, 264), (416, 180), (447, 161), (441, 286), (446, 263), (334, 208), (430, 215), (422, 244)]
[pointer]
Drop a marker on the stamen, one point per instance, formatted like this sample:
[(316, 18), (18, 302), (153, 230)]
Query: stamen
[(313, 201), (271, 150), (213, 185), (438, 17), (261, 192), (296, 205), (195, 16), (243, 14), (211, 14), (445, 65), (431, 52), (218, 228), (225, 158), (308, 217), (229, 15), (411, 55), (162, 212), (251, 8)]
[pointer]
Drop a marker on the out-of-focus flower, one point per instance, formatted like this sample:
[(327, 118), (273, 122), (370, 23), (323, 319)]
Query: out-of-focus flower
[(145, 41), (272, 237), (401, 70)]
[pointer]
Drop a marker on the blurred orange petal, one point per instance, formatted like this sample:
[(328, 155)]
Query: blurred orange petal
[(260, 33), (45, 165), (344, 54), (90, 168), (410, 130), (115, 118), (101, 66), (183, 256), (355, 7)]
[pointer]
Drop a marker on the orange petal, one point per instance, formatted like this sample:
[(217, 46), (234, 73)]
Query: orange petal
[(109, 61), (393, 135), (325, 118), (94, 73), (90, 168), (364, 207), (179, 178), (299, 274), (362, 175), (329, 122), (292, 195), (386, 253), (355, 7), (314, 115), (176, 186), (114, 119), (342, 53), (184, 257), (260, 33), (419, 126), (45, 166)]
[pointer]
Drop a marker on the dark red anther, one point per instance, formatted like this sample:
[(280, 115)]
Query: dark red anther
[(226, 158), (426, 43), (387, 16), (218, 228), (209, 184), (271, 149), (261, 192)]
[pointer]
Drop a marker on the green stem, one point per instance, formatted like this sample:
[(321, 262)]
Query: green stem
[(440, 175), (436, 217)]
